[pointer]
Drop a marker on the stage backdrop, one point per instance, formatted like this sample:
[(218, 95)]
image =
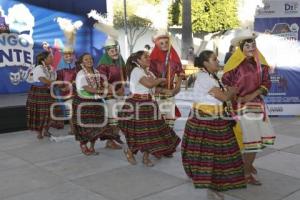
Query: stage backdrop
[(23, 29), (281, 20)]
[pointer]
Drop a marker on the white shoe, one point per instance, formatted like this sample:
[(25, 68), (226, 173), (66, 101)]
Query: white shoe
[(214, 195)]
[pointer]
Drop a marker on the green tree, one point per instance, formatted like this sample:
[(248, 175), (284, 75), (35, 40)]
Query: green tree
[(208, 15), (152, 1), (175, 13)]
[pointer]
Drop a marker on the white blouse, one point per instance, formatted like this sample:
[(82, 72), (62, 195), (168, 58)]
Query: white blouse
[(203, 84), (39, 72), (80, 81), (135, 86)]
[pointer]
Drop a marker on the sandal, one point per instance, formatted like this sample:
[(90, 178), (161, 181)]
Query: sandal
[(93, 152), (112, 145), (252, 181), (253, 170), (39, 136), (85, 150), (47, 133), (130, 158), (147, 162)]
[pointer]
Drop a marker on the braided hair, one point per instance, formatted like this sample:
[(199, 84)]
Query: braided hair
[(199, 62), (132, 62)]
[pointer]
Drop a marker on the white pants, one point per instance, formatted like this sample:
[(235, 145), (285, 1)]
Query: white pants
[(113, 107), (167, 109)]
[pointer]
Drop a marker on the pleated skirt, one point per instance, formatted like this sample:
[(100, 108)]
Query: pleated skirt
[(210, 153), (145, 130)]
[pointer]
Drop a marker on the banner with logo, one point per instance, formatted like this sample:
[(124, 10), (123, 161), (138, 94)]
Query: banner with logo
[(23, 30), (280, 21)]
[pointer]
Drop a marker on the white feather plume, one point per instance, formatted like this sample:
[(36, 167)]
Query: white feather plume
[(103, 24), (67, 25), (70, 29), (78, 24), (97, 16)]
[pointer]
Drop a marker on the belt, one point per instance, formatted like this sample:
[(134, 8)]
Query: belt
[(209, 109), (142, 96)]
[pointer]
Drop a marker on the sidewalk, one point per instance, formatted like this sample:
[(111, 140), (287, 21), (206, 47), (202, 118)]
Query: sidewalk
[(45, 170)]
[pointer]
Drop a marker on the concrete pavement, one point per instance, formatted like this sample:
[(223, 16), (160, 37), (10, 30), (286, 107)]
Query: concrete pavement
[(47, 170)]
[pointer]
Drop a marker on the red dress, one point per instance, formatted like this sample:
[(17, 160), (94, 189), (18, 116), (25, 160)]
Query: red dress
[(158, 68), (256, 128), (113, 73), (247, 79)]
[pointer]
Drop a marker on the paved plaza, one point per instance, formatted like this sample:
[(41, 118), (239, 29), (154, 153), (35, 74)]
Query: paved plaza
[(48, 170)]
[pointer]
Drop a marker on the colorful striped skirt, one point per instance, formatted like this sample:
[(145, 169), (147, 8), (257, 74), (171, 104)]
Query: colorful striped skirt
[(38, 108), (90, 121), (210, 154), (144, 129)]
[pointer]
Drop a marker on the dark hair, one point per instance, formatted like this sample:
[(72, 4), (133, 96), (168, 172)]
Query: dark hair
[(231, 48), (242, 43), (42, 57), (77, 66), (203, 56), (132, 62), (80, 59), (147, 46)]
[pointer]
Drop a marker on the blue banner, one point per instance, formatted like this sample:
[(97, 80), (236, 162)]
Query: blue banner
[(23, 29), (282, 53), (279, 22)]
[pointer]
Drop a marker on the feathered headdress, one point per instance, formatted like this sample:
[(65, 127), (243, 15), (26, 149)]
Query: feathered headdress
[(103, 25), (70, 29)]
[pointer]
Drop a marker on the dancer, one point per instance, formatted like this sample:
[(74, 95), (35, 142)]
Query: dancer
[(210, 152), (89, 109), (249, 72), (66, 71), (39, 98), (140, 120), (165, 63), (111, 66), (67, 75)]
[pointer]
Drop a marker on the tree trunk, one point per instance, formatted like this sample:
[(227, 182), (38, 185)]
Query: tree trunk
[(187, 39)]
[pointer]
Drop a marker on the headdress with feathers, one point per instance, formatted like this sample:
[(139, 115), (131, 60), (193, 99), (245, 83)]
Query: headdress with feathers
[(70, 29), (103, 25)]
